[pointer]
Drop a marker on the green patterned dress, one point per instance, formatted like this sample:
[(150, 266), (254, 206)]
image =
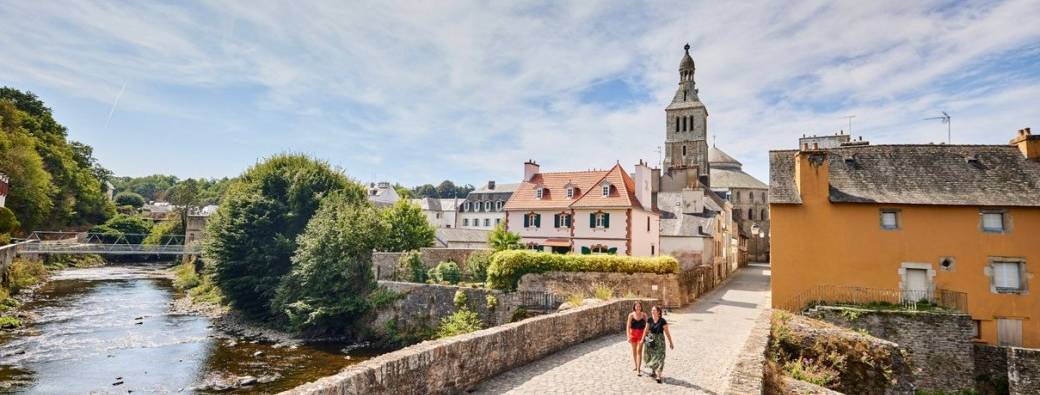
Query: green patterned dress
[(653, 346)]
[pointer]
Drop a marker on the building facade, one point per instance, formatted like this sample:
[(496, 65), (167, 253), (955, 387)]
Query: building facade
[(382, 194), (686, 124), (439, 212), (484, 208), (749, 197), (195, 227), (5, 186), (915, 219), (586, 212)]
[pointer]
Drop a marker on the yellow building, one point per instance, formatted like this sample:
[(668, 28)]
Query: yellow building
[(914, 219)]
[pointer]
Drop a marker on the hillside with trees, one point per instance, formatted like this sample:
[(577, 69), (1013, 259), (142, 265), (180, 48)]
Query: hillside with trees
[(56, 183)]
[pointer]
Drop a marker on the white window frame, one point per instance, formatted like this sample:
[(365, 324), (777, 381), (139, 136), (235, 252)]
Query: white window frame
[(487, 222), (570, 193), (539, 193), (465, 206), (498, 205), (465, 222), (487, 205), (605, 190), (601, 219)]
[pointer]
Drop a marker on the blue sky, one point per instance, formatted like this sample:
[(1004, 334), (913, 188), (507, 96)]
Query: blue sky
[(425, 91)]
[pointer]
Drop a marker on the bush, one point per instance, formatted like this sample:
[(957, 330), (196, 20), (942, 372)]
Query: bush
[(477, 265), (170, 231), (408, 227), (252, 236), (603, 292), (519, 314), (491, 302), (124, 227), (460, 299), (8, 322), (8, 223), (576, 299), (185, 276), (508, 266), (460, 322), (5, 239), (447, 272), (410, 267), (25, 273), (501, 239), (331, 278), (129, 199)]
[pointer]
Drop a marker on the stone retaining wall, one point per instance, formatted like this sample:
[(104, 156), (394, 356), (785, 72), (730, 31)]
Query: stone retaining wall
[(385, 263), (1017, 369), (940, 343), (422, 306), (455, 364), (663, 287)]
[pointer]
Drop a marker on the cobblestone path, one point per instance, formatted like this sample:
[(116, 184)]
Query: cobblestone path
[(709, 335)]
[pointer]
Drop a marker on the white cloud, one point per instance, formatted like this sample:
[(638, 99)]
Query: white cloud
[(426, 91)]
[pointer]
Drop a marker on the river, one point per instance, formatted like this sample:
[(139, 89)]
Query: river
[(110, 330)]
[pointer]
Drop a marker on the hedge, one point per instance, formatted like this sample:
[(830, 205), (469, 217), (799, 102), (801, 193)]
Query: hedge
[(508, 266)]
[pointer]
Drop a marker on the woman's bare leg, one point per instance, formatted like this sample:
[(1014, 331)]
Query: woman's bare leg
[(635, 354)]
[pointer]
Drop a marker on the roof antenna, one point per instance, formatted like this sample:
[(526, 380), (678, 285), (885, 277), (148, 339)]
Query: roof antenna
[(850, 122), (945, 119)]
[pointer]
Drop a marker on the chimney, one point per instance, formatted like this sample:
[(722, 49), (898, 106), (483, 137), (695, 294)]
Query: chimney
[(491, 185), (1028, 144), (812, 175), (644, 185), (530, 169)]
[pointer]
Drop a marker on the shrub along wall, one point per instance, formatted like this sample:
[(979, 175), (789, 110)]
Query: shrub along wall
[(384, 263), (457, 364), (663, 287), (507, 267)]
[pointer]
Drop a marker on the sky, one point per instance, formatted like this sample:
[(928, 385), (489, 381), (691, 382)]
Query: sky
[(419, 92)]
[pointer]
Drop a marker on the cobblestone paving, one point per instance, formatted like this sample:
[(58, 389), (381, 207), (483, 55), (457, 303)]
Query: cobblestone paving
[(709, 335)]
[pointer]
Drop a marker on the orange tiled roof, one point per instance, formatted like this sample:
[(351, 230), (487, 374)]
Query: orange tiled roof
[(589, 193)]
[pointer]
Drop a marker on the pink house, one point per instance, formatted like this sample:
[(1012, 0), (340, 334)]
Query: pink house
[(586, 212)]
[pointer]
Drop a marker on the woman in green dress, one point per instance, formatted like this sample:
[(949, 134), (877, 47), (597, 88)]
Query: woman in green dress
[(653, 342)]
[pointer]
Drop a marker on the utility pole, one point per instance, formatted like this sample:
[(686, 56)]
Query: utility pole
[(660, 158), (849, 117), (945, 119)]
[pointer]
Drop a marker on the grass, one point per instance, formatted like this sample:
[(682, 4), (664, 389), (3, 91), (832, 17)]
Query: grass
[(603, 292), (185, 277), (199, 287), (576, 299), (22, 274), (8, 322)]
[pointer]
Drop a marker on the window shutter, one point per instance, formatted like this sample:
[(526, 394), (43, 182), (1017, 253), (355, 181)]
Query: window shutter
[(527, 221), (606, 220), (612, 251), (538, 220), (585, 251), (556, 221), (592, 220)]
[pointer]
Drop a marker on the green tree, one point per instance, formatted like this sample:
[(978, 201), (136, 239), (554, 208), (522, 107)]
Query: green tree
[(30, 195), (403, 191), (8, 222), (78, 195), (131, 228), (331, 277), (152, 188), (129, 199), (424, 191), (252, 236), (501, 239), (170, 231), (185, 197), (409, 228)]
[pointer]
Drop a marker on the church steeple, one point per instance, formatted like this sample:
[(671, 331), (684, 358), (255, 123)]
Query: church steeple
[(687, 87)]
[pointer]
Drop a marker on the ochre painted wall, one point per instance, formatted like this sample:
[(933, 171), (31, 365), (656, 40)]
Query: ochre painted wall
[(822, 243)]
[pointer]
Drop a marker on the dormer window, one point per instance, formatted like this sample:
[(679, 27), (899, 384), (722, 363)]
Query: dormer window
[(539, 193), (487, 205), (606, 190), (498, 205), (465, 206), (570, 193)]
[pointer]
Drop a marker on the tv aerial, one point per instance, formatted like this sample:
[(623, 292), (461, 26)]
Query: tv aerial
[(945, 119)]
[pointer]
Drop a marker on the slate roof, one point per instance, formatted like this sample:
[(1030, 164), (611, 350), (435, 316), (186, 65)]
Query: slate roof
[(435, 204), (459, 235), (498, 188), (723, 178), (717, 157), (973, 175), (675, 222)]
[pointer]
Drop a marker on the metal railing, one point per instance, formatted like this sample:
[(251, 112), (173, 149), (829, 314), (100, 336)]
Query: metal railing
[(104, 244), (536, 300), (878, 298)]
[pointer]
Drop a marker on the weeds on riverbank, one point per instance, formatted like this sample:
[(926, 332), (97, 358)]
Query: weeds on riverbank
[(199, 287), (22, 274)]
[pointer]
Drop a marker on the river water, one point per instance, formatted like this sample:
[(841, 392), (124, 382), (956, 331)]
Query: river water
[(110, 330)]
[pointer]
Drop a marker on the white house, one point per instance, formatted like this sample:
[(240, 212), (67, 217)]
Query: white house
[(587, 212)]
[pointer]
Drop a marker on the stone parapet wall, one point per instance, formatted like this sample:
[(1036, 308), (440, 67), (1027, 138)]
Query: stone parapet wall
[(1024, 370), (1013, 368), (749, 372), (991, 367), (456, 364), (940, 343), (663, 287), (385, 263)]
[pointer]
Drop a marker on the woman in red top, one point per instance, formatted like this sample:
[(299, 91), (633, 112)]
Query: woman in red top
[(634, 327)]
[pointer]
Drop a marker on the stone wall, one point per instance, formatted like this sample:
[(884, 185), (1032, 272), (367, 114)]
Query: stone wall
[(1011, 369), (663, 287), (385, 263), (456, 364), (422, 306), (749, 372), (940, 343)]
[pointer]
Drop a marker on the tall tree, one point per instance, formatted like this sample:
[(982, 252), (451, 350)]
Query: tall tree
[(30, 196), (185, 197), (408, 227), (254, 233)]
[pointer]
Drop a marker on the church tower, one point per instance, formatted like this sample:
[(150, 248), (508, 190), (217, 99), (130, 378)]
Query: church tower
[(686, 143)]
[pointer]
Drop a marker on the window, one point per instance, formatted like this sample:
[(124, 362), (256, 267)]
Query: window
[(498, 205), (465, 222), (676, 124), (1007, 276), (993, 221), (737, 197), (976, 330), (606, 190), (438, 215), (751, 214), (684, 151), (648, 225), (498, 221), (487, 205), (684, 124), (600, 249), (736, 215), (532, 220), (599, 220), (562, 220), (570, 193), (465, 206), (1009, 332), (487, 222), (889, 219), (765, 215), (538, 193)]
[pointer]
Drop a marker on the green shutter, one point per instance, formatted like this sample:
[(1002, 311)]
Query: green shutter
[(538, 220), (527, 221), (585, 251), (556, 220), (606, 220), (592, 220), (612, 251)]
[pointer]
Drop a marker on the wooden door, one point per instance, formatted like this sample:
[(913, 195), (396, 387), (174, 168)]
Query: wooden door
[(916, 287)]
